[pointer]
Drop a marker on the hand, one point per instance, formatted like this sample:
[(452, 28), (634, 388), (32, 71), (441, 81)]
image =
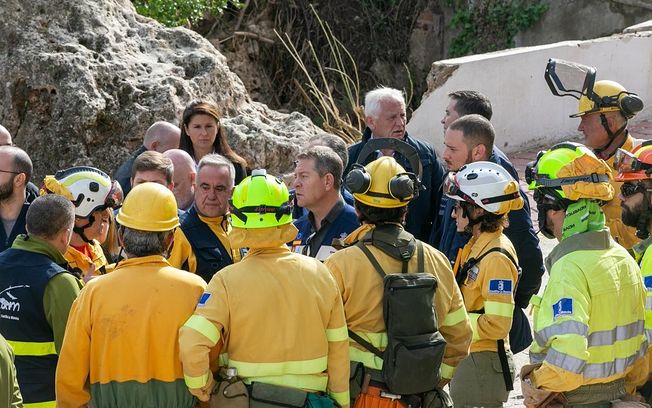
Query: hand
[(204, 393)]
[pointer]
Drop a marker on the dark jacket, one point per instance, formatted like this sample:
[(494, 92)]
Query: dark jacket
[(123, 174), (520, 231), (422, 211), (19, 228)]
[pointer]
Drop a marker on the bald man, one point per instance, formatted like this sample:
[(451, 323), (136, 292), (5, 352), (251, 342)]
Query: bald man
[(183, 177), (5, 137), (160, 137)]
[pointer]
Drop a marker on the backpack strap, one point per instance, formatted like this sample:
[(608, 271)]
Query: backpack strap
[(369, 255), (464, 271), (364, 343)]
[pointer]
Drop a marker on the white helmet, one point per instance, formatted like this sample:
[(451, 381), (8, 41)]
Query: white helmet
[(485, 184), (88, 188)]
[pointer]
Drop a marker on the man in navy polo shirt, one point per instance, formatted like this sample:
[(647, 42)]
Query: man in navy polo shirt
[(318, 177)]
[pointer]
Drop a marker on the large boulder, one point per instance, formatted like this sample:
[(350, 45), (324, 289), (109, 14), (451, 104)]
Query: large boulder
[(84, 79)]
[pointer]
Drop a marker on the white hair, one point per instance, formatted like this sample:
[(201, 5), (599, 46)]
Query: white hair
[(217, 160), (373, 99)]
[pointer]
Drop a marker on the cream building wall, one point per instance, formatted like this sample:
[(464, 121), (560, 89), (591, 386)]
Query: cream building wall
[(526, 113)]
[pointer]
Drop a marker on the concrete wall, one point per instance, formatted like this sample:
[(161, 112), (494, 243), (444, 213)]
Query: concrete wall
[(526, 114), (583, 20)]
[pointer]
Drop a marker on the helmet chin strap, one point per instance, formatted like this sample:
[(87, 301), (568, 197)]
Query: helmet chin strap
[(616, 139), (80, 230), (544, 228)]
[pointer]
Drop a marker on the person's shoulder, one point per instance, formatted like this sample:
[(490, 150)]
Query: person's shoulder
[(184, 277)]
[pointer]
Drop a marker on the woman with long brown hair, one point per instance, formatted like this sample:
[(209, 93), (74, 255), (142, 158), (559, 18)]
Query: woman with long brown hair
[(201, 134)]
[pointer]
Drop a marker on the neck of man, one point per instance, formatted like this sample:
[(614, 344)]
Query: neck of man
[(11, 207), (321, 209)]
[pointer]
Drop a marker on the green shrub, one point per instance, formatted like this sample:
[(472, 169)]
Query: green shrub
[(173, 13)]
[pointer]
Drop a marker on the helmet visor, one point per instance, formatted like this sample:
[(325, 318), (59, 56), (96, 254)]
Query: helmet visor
[(566, 78), (626, 162), (115, 196)]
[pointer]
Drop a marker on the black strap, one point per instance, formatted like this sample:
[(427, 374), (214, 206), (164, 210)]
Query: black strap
[(364, 343), (464, 271), (374, 262), (502, 356)]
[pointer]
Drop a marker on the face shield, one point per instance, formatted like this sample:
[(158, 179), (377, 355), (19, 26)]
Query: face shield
[(566, 78)]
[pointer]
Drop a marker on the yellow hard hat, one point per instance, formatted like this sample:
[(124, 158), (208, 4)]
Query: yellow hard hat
[(609, 96), (149, 207), (382, 183)]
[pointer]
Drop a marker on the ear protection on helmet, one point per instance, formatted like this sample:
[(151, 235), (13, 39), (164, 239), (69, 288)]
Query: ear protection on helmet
[(402, 186), (629, 105)]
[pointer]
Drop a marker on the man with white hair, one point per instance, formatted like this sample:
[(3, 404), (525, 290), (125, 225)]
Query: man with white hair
[(385, 117), (201, 243), (185, 172), (160, 137)]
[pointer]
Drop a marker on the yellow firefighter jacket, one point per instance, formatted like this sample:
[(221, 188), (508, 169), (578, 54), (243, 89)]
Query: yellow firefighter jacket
[(489, 287), (96, 262), (121, 342), (362, 293), (281, 314)]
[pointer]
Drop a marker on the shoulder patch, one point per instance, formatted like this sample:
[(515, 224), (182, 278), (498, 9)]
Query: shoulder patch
[(648, 282), (562, 308), (203, 299), (500, 286)]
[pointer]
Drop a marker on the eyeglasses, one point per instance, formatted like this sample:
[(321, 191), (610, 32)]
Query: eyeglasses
[(11, 172), (629, 189)]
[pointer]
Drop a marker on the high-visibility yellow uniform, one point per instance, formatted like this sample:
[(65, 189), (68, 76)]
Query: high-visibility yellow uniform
[(362, 293), (621, 233), (281, 314), (182, 252), (96, 262), (490, 287), (121, 341), (643, 254), (589, 323)]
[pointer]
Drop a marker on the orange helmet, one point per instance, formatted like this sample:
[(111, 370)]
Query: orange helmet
[(634, 165)]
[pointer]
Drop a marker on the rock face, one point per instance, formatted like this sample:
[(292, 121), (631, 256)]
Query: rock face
[(84, 79)]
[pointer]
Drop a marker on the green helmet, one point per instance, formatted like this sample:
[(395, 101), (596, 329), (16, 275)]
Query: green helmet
[(570, 171), (261, 201)]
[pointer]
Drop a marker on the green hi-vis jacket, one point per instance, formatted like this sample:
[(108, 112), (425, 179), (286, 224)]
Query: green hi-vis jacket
[(589, 323)]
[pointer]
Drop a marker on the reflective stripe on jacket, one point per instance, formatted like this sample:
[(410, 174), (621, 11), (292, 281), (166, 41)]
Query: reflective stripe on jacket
[(589, 323)]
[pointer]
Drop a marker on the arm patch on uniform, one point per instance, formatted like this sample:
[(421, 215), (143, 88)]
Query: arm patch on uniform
[(203, 299), (562, 308), (500, 286), (648, 282)]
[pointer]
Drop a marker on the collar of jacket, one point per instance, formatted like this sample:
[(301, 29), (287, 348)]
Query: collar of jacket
[(35, 244), (273, 237), (481, 244), (585, 241), (640, 248), (150, 260)]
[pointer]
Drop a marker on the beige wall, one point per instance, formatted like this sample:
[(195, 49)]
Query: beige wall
[(526, 114)]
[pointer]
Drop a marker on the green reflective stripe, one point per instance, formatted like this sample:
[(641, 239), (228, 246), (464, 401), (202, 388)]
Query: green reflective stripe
[(619, 365), (536, 358), (249, 369), (46, 404), (499, 309), (30, 348), (341, 398), (446, 371), (203, 326), (565, 361), (223, 359), (455, 317), (619, 333), (378, 340), (339, 334), (474, 325), (72, 179), (304, 382), (563, 327), (196, 382), (368, 359)]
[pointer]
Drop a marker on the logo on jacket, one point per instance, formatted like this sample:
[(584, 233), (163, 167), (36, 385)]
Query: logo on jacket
[(203, 299), (10, 303), (562, 308), (500, 286), (473, 273)]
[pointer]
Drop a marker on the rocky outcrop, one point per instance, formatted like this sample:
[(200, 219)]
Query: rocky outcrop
[(84, 79)]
